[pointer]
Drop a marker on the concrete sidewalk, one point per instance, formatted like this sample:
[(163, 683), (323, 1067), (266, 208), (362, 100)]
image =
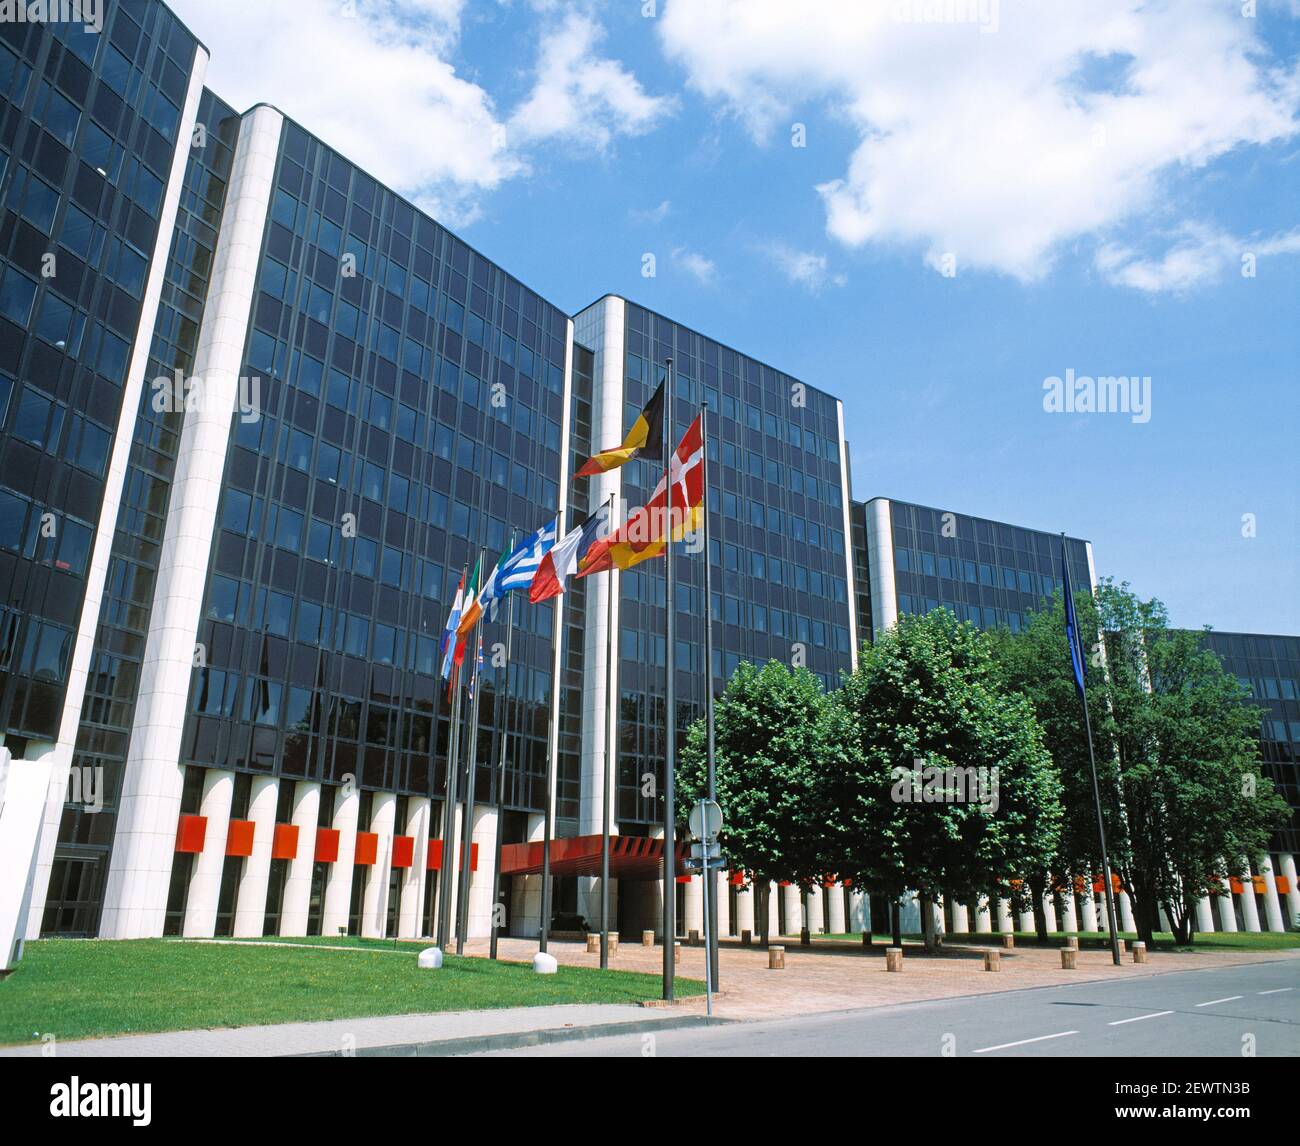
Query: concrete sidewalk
[(389, 1034)]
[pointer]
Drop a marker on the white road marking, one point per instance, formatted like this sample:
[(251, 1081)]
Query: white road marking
[(1139, 1018), (1276, 991), (1022, 1042), (1212, 1002)]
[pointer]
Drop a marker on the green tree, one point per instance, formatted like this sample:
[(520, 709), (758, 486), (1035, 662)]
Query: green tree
[(1183, 797), (778, 742), (949, 788)]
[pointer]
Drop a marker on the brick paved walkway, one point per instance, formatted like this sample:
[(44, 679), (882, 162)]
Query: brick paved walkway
[(830, 977)]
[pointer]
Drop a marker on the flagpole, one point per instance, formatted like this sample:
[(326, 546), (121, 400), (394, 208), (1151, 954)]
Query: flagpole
[(557, 638), (449, 810), (471, 771), (1109, 890), (708, 675), (500, 706), (670, 716), (609, 748)]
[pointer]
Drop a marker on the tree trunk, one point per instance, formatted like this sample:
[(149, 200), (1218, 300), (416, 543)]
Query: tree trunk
[(1036, 889), (927, 923), (1146, 909), (895, 923)]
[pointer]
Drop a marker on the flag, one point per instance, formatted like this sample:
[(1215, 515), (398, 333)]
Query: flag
[(448, 634), (518, 570), (1072, 624), (643, 535), (644, 440), (562, 561), (473, 680), (470, 594), (485, 599)]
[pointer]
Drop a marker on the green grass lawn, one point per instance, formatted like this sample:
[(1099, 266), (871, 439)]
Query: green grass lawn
[(73, 988), (1213, 941)]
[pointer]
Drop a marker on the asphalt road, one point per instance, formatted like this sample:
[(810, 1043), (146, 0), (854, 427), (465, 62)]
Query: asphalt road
[(1188, 1013)]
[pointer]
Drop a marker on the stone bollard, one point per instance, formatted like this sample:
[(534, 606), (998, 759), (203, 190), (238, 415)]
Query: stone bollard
[(1139, 952), (893, 958), (1008, 941), (993, 960), (613, 942), (647, 939), (677, 951), (776, 958), (593, 943), (1072, 942), (544, 964), (430, 959), (1123, 950), (693, 938), (1069, 960), (746, 938)]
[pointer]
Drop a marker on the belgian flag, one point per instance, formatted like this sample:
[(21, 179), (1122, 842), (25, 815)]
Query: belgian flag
[(644, 440)]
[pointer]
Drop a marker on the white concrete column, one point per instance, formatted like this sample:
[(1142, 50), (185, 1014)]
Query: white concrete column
[(135, 891), (858, 907), (1204, 915), (693, 908), (1049, 911), (983, 920), (24, 787), (1005, 925), (793, 909), (1272, 900), (815, 907), (745, 908), (1287, 864), (337, 907), (205, 881), (1069, 911), (836, 924), (1249, 908), (250, 902), (374, 896), (1125, 904), (960, 918), (773, 911), (1088, 908), (411, 905), (1026, 920), (1103, 913), (479, 917), (297, 884), (722, 886), (1227, 907)]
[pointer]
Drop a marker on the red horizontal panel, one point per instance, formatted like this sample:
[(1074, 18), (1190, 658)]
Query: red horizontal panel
[(239, 838), (433, 861), (403, 851), (367, 849), (1283, 883), (630, 857), (1237, 886), (284, 844), (327, 845), (191, 831), (1260, 883)]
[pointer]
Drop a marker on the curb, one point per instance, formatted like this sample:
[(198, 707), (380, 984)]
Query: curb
[(515, 1040)]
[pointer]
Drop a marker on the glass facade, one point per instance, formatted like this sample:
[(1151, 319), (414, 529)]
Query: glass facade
[(86, 836), (985, 572), (777, 544), (411, 405), (1269, 666), (88, 130)]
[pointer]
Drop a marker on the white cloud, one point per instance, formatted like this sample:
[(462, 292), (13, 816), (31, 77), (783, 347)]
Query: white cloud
[(580, 95), (1198, 256), (702, 269), (997, 146), (804, 268), (381, 87), (652, 214)]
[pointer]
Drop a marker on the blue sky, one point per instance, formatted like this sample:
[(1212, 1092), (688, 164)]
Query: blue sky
[(1094, 174)]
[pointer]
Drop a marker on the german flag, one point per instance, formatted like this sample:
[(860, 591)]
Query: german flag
[(644, 440)]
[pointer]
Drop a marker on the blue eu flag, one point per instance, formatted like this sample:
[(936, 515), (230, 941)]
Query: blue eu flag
[(1071, 624)]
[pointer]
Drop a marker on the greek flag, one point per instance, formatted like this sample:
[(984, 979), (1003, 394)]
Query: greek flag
[(517, 570)]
